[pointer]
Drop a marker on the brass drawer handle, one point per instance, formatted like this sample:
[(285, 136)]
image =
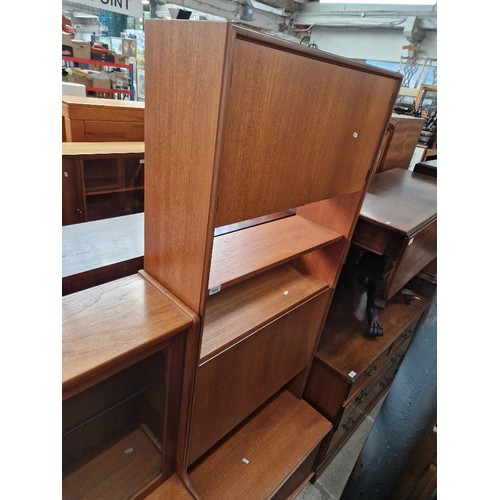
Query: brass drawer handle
[(349, 424), (361, 397), (370, 370)]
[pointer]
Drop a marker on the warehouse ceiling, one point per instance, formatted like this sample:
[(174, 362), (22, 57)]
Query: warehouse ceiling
[(294, 17)]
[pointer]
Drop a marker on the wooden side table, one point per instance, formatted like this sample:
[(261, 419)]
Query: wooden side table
[(398, 221)]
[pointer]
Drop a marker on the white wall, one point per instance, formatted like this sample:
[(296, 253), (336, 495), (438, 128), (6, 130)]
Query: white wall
[(366, 43)]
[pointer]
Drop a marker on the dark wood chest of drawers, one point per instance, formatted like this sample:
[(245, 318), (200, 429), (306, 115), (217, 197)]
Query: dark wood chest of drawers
[(351, 372)]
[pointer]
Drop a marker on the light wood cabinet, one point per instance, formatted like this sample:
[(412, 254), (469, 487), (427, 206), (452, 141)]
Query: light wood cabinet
[(91, 119), (259, 152)]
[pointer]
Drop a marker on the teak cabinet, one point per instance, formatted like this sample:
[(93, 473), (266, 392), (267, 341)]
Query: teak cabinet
[(101, 180), (259, 152), (125, 352)]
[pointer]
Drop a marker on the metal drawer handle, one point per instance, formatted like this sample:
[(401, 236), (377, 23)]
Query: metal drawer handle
[(407, 333), (361, 397), (395, 359), (349, 424), (371, 370), (384, 382)]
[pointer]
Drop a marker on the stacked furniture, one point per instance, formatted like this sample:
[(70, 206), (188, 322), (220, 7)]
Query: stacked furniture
[(187, 378), (351, 371), (400, 142), (253, 188)]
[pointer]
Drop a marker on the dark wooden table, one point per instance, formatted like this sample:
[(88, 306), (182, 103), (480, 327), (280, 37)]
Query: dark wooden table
[(100, 251), (398, 220)]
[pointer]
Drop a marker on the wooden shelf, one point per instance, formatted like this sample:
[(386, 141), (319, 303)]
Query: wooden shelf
[(98, 335), (256, 460), (240, 310), (109, 191), (119, 471), (171, 489), (242, 254), (96, 149)]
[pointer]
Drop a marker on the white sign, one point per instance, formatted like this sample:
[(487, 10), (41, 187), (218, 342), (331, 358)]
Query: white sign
[(127, 7)]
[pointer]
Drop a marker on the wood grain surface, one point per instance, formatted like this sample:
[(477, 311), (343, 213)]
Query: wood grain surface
[(400, 200), (111, 324), (244, 253), (256, 460)]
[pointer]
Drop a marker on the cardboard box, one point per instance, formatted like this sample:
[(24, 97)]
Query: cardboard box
[(78, 76), (119, 59), (100, 80), (81, 49), (67, 38), (67, 50), (99, 56)]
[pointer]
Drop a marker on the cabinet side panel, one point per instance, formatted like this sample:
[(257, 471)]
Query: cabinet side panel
[(183, 87), (271, 126)]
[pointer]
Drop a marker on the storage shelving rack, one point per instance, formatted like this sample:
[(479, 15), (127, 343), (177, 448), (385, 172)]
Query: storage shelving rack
[(128, 67)]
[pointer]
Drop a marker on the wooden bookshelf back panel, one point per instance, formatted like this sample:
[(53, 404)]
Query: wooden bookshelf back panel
[(267, 162), (244, 308), (242, 254), (274, 442)]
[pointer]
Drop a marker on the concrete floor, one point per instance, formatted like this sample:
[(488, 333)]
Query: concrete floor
[(331, 482)]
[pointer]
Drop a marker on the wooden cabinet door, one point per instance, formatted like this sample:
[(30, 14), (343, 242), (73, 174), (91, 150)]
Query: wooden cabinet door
[(305, 138)]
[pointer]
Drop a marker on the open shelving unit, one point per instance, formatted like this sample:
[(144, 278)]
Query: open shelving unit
[(119, 92), (255, 147)]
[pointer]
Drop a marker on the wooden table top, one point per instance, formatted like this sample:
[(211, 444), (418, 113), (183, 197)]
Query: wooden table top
[(91, 245), (344, 344), (73, 100), (101, 148), (400, 200)]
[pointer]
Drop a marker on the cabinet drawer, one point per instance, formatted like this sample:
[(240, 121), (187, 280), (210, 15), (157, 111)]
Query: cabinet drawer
[(368, 374), (405, 337), (361, 404)]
